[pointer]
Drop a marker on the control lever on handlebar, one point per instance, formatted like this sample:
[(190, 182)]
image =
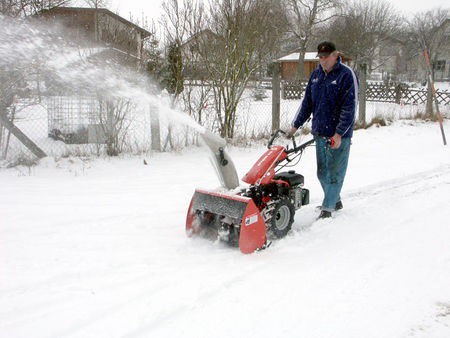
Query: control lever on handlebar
[(274, 136)]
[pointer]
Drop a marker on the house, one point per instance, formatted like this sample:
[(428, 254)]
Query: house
[(99, 36), (388, 62), (442, 64), (90, 26), (193, 51), (399, 60), (289, 63)]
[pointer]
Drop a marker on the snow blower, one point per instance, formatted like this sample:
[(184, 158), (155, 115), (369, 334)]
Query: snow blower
[(246, 217)]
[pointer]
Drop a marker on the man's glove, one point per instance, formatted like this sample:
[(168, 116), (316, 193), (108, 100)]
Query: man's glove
[(290, 133)]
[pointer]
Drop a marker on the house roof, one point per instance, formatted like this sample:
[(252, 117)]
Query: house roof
[(145, 33), (309, 56), (205, 33)]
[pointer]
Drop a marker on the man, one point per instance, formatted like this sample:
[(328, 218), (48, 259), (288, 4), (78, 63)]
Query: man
[(331, 97)]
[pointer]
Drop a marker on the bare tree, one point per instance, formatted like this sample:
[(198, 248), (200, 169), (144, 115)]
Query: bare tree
[(113, 116), (178, 22), (23, 8), (304, 18), (236, 55), (429, 33), (97, 3), (225, 45), (178, 19), (363, 28), (183, 22)]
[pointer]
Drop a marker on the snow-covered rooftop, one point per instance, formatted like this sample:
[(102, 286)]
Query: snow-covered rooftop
[(309, 56)]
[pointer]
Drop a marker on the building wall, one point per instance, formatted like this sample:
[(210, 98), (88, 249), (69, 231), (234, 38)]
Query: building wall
[(80, 25), (119, 35), (116, 32), (442, 68), (289, 69)]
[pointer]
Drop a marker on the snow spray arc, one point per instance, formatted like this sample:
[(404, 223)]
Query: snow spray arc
[(73, 68)]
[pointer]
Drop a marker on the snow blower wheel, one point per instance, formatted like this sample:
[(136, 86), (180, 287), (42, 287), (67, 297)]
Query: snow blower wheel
[(282, 218)]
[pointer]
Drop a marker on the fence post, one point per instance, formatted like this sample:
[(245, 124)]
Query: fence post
[(276, 97), (111, 149), (362, 94), (26, 141), (154, 129), (1, 134), (398, 93)]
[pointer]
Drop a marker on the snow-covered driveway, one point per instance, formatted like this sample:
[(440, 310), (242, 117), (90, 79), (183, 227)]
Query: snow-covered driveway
[(97, 249)]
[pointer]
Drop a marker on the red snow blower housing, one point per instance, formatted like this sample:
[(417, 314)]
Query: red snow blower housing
[(266, 206)]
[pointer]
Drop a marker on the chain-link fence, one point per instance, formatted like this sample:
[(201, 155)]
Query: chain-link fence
[(76, 126), (64, 126)]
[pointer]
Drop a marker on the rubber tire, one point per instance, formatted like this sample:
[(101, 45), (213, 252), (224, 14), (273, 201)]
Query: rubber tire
[(282, 219)]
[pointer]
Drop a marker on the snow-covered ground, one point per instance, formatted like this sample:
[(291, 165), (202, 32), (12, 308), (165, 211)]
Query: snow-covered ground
[(98, 249)]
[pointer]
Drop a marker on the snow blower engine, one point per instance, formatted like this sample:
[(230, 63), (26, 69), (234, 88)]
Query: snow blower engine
[(265, 208)]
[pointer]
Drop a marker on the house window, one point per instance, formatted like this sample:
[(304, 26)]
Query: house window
[(439, 66)]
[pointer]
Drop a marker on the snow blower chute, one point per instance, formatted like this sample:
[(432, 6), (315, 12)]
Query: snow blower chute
[(265, 207)]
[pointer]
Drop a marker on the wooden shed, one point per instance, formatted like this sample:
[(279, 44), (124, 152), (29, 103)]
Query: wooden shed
[(288, 64)]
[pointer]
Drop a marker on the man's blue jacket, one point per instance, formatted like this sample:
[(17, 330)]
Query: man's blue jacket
[(332, 100)]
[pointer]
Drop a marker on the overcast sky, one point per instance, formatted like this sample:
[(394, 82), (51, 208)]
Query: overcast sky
[(152, 8)]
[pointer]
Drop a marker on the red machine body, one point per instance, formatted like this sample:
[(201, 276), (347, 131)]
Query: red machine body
[(266, 207), (263, 170)]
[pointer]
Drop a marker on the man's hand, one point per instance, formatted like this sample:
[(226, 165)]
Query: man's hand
[(290, 132), (337, 141)]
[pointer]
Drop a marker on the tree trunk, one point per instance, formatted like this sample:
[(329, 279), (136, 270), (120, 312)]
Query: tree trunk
[(301, 64)]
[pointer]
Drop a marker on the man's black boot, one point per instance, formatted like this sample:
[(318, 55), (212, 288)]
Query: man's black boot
[(324, 214), (337, 207)]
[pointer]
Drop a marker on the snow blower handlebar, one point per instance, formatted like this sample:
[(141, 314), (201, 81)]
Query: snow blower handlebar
[(274, 136), (295, 149), (300, 147)]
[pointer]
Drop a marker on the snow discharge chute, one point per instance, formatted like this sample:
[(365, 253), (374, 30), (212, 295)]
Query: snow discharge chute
[(221, 161)]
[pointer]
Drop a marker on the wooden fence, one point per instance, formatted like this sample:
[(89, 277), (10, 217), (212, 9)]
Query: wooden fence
[(377, 92)]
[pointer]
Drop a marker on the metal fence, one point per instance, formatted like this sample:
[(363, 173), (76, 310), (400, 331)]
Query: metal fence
[(62, 126), (70, 126)]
